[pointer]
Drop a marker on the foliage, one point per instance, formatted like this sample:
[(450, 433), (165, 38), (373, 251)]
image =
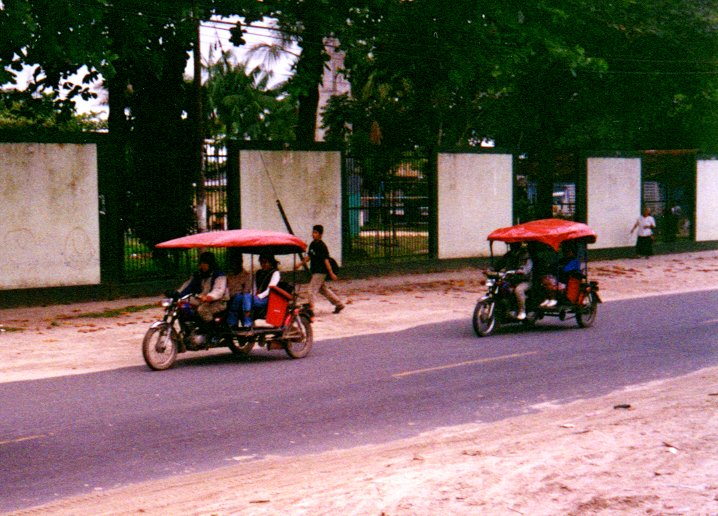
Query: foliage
[(306, 24), (21, 110), (242, 105), (564, 73), (140, 50), (542, 77)]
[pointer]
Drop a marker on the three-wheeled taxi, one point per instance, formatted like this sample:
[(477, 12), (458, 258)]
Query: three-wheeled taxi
[(576, 298), (287, 325)]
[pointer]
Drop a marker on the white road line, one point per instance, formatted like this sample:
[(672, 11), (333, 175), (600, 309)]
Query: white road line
[(21, 439), (461, 364)]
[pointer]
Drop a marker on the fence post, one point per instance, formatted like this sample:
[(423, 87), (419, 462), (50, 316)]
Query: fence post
[(433, 188), (234, 217), (110, 178)]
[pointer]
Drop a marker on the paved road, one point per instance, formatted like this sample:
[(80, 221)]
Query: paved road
[(72, 435)]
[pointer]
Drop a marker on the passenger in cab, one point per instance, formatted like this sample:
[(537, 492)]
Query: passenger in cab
[(255, 303), (555, 286), (239, 283)]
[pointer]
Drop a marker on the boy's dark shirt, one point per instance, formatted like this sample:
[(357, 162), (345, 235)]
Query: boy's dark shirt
[(318, 252)]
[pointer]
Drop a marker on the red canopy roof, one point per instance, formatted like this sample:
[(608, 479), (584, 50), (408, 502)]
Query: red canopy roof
[(252, 241), (552, 232)]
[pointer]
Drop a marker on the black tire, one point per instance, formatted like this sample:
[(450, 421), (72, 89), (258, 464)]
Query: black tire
[(159, 347), (299, 337), (484, 324), (530, 321), (240, 349), (587, 312)]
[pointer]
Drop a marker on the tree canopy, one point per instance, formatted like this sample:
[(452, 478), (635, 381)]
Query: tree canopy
[(562, 74), (538, 76)]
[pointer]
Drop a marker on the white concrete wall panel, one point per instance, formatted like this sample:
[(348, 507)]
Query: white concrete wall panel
[(49, 211), (614, 199), (309, 186), (475, 196), (706, 200)]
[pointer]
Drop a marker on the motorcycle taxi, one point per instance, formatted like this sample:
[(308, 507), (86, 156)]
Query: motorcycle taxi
[(579, 299), (286, 325)]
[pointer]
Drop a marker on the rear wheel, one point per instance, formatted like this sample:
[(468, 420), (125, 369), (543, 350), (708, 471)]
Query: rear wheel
[(239, 347), (299, 337), (530, 320), (587, 311), (159, 347), (484, 318)]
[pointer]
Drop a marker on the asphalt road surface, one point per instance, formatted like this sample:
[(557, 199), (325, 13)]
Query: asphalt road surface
[(72, 435)]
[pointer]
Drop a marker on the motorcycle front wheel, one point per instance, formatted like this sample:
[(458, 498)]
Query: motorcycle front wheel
[(299, 337), (484, 318), (159, 347), (587, 312)]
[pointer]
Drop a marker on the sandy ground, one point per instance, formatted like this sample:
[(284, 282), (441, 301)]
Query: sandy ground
[(659, 456)]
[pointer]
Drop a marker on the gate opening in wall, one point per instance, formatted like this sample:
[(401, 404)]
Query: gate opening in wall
[(668, 190), (388, 208)]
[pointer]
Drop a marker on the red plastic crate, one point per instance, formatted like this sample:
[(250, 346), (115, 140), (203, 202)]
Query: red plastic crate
[(277, 305)]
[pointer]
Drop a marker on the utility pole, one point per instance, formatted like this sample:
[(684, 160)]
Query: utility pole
[(201, 195)]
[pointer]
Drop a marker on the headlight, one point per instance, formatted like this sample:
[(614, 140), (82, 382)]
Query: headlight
[(166, 302), (490, 282)]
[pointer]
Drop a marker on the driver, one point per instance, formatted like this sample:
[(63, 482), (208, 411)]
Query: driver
[(208, 286), (518, 259)]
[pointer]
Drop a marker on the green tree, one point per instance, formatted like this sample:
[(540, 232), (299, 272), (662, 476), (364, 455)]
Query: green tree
[(305, 23), (56, 38), (20, 110), (624, 75), (540, 77), (242, 105)]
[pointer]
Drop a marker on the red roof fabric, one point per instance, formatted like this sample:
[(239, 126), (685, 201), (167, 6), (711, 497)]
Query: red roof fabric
[(552, 232), (252, 241)]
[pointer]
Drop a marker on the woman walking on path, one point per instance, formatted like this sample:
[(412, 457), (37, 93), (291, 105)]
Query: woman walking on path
[(644, 241)]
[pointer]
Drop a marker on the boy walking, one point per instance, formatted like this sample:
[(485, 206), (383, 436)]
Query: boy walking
[(320, 267)]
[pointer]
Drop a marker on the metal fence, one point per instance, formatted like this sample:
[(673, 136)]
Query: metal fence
[(388, 214), (141, 262), (388, 208)]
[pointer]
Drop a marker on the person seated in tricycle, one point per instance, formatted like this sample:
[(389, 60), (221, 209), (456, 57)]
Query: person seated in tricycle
[(555, 286), (252, 304), (208, 286)]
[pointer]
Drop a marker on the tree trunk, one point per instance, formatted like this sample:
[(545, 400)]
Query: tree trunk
[(308, 78)]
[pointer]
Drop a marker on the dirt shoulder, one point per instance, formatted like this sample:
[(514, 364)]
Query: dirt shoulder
[(657, 456)]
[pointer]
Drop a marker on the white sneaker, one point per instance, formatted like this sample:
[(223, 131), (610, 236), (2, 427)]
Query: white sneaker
[(521, 316), (545, 303), (551, 303)]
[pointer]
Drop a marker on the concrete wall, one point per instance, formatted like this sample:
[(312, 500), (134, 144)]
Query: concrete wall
[(309, 186), (475, 196), (614, 200), (50, 233), (706, 200)]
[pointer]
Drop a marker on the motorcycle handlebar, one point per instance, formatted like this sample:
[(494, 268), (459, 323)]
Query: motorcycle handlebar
[(499, 274)]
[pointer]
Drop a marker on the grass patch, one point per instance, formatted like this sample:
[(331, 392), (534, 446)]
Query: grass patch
[(111, 312), (10, 329)]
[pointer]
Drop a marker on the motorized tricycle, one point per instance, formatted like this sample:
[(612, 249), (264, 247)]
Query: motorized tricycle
[(578, 298), (286, 325)]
